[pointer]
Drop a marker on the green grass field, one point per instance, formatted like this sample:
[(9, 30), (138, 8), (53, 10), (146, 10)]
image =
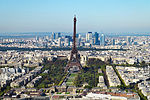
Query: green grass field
[(71, 79), (73, 74), (69, 83)]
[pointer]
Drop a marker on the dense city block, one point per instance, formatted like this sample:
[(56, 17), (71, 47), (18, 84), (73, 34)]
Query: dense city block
[(117, 68)]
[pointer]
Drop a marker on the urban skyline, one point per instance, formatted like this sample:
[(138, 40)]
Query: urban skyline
[(102, 53)]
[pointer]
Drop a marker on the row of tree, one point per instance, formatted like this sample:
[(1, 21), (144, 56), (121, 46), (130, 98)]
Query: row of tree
[(56, 73), (89, 74)]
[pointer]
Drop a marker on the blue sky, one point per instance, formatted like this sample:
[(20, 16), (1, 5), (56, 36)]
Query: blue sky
[(57, 15)]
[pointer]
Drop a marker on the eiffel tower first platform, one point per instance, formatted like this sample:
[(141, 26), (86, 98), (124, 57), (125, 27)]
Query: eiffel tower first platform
[(73, 64)]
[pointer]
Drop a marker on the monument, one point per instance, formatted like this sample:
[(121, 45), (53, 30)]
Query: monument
[(73, 64)]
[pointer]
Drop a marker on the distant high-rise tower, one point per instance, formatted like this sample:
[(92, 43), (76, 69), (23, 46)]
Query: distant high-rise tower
[(96, 35), (88, 36), (129, 40), (74, 62), (53, 36), (57, 35), (66, 42), (37, 38), (102, 40), (113, 42), (59, 42)]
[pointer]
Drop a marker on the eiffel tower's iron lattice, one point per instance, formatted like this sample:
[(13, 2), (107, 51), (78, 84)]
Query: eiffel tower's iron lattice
[(75, 56)]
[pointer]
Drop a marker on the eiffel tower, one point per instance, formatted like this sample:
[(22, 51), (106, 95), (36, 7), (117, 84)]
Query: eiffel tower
[(74, 62)]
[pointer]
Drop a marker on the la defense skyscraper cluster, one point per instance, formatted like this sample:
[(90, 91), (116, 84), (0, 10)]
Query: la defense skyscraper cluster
[(74, 64)]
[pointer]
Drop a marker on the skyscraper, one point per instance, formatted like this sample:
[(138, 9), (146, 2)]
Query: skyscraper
[(128, 40), (37, 38), (91, 41), (113, 42), (102, 40), (69, 37), (96, 35), (53, 36), (59, 42), (66, 42), (88, 36), (57, 35)]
